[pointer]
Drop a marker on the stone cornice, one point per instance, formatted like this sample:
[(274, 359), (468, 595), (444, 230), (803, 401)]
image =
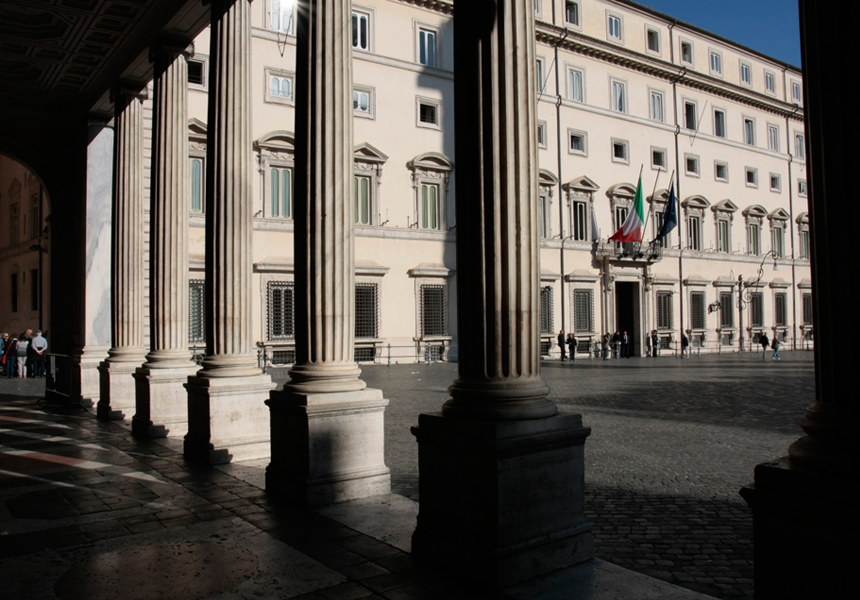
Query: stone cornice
[(579, 43), (445, 7)]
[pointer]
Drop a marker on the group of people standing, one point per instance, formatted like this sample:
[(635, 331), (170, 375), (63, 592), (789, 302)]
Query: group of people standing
[(618, 345), (23, 355), (568, 341)]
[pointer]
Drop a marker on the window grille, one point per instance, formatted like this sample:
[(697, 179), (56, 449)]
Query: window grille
[(727, 310), (434, 310), (757, 309), (365, 354), (546, 324), (583, 310), (545, 348), (807, 309), (196, 311), (698, 312), (284, 357), (781, 316), (366, 311), (665, 310), (282, 317)]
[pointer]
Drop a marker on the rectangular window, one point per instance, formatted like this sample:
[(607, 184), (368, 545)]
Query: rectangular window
[(716, 63), (751, 176), (775, 182), (543, 216), (613, 25), (721, 171), (281, 87), (799, 146), (749, 132), (13, 292), (14, 227), (197, 174), (196, 72), (691, 165), (429, 206), (282, 317), (773, 138), (35, 216), (361, 102), (619, 96), (652, 37), (620, 151), (196, 311), (781, 309), (804, 244), (361, 196), (583, 310), (720, 123), (753, 239), (727, 310), (620, 217), (757, 309), (665, 312), (690, 115), (434, 310), (574, 85), (360, 31), (777, 241), (746, 74), (539, 76), (282, 15), (428, 113), (724, 243), (769, 83), (658, 227), (694, 233), (571, 13), (801, 188), (686, 52), (578, 143), (657, 106), (546, 321), (698, 310), (541, 134), (795, 91), (580, 221), (281, 188), (658, 158), (34, 289), (807, 309), (427, 47), (366, 311)]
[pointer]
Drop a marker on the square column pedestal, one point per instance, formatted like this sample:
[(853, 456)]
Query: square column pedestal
[(502, 501), (227, 419), (327, 447), (161, 401), (116, 390)]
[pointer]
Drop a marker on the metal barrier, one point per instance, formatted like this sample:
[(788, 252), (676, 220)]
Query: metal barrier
[(284, 355), (58, 375)]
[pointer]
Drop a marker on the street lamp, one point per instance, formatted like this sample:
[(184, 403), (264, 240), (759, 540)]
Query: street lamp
[(748, 298)]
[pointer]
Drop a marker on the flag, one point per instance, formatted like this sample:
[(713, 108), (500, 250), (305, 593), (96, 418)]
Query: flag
[(670, 215), (631, 229)]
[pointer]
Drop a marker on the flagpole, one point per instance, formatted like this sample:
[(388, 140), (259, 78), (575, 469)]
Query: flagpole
[(650, 205), (671, 182)]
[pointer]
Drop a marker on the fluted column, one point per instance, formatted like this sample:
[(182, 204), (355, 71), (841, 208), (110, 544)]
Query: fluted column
[(127, 350), (497, 241), (327, 427), (324, 240), (161, 401), (227, 417), (499, 438)]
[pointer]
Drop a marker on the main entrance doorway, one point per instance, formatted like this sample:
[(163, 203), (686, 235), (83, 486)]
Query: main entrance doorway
[(627, 313)]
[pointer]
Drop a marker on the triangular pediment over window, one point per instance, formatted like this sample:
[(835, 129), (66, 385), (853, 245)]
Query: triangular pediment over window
[(779, 215), (725, 206), (364, 152), (197, 130), (581, 184)]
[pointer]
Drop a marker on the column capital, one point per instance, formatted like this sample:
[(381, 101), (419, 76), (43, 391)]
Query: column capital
[(124, 92), (171, 45)]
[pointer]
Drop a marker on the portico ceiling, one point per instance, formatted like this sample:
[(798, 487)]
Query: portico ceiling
[(59, 58)]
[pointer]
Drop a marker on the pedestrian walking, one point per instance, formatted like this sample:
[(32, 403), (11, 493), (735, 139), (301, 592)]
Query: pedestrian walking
[(571, 346), (655, 344), (605, 345), (561, 342), (775, 346), (764, 344), (685, 346), (10, 357), (616, 344)]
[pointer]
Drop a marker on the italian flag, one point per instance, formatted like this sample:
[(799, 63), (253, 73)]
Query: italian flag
[(631, 229)]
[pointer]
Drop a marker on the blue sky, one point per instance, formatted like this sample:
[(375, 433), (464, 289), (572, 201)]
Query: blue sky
[(768, 26)]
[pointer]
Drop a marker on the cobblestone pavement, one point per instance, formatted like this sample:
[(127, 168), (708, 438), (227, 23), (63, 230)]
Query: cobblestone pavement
[(672, 442)]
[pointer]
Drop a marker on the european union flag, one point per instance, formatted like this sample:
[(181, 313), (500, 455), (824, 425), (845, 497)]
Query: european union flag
[(670, 216)]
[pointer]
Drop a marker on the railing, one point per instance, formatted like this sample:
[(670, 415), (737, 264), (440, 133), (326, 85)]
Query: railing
[(58, 376), (649, 251), (284, 355)]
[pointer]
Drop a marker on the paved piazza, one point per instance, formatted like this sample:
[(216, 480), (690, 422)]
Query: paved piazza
[(672, 442)]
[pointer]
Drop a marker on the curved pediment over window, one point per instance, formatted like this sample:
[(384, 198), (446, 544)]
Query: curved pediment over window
[(660, 196), (726, 206), (755, 210), (582, 184), (802, 218), (277, 140), (364, 152), (546, 178), (779, 215), (622, 190), (431, 161), (696, 202)]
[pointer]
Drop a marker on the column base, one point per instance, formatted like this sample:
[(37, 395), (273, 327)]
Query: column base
[(805, 531), (503, 501), (227, 419), (116, 387), (327, 447), (86, 379), (161, 401)]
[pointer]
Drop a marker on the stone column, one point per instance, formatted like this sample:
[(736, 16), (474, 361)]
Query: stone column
[(333, 450), (804, 505), (499, 442), (116, 384), (227, 416), (161, 399)]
